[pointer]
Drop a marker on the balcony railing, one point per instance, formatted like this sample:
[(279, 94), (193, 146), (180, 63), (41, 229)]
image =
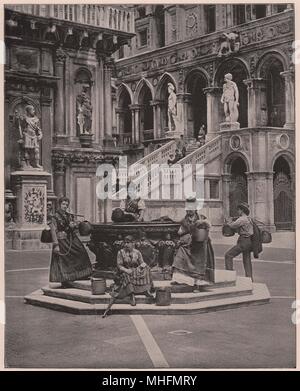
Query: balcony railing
[(115, 18)]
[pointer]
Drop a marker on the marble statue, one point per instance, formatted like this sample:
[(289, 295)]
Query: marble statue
[(30, 134), (230, 99), (172, 107), (84, 111)]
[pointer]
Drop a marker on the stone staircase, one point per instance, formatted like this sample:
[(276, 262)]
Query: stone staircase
[(225, 290)]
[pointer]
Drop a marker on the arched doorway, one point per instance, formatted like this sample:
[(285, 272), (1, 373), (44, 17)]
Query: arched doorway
[(239, 74), (197, 106), (238, 185), (146, 114), (275, 93), (125, 117), (283, 195)]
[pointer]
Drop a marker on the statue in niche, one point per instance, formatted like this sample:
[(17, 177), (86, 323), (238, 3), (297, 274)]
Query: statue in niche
[(30, 135), (230, 44), (84, 111), (230, 99), (172, 107)]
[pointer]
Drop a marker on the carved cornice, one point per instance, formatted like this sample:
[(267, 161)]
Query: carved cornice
[(52, 32), (62, 158)]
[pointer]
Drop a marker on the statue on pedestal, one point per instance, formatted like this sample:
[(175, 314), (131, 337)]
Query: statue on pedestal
[(84, 111), (30, 134), (172, 108), (230, 99)]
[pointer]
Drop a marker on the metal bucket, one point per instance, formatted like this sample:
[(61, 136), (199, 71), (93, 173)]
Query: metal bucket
[(98, 286), (163, 296), (227, 231), (200, 234)]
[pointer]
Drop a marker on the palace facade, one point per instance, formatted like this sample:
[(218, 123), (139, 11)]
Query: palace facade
[(193, 47)]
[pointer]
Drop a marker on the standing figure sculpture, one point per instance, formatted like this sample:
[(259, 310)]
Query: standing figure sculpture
[(84, 111), (230, 99), (172, 108), (30, 134)]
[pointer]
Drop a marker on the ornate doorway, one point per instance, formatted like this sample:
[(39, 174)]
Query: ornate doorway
[(283, 195), (238, 185)]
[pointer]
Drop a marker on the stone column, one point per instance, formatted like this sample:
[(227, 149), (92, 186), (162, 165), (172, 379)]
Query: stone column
[(108, 64), (225, 194), (160, 131), (257, 102), (186, 98), (154, 105), (213, 98), (59, 109), (260, 197), (46, 143), (136, 123), (59, 176), (289, 78)]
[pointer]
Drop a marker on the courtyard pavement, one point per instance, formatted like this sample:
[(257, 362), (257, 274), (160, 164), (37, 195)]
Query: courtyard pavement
[(248, 337)]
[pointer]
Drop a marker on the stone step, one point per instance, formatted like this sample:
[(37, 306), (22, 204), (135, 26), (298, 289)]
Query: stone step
[(217, 278), (243, 287), (259, 295)]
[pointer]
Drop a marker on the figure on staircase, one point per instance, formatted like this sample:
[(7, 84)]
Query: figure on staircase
[(230, 99), (30, 135)]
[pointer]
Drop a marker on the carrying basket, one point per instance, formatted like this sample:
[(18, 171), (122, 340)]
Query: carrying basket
[(46, 236), (266, 237)]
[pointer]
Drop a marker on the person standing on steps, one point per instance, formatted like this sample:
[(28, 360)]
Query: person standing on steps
[(244, 226)]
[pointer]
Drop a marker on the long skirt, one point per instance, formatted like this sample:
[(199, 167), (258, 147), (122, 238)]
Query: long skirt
[(191, 262), (72, 263), (139, 281)]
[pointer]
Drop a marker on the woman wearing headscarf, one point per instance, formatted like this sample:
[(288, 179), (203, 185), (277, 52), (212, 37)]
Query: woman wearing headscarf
[(192, 257), (69, 259)]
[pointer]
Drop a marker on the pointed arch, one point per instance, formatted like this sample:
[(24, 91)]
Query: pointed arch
[(267, 59), (162, 83), (240, 72), (139, 88), (195, 82), (124, 88), (270, 67)]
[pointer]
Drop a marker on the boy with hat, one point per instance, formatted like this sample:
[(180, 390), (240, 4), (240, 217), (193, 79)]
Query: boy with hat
[(244, 226)]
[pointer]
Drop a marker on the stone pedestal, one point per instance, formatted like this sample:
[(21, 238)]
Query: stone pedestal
[(225, 126), (86, 140), (30, 188), (173, 134)]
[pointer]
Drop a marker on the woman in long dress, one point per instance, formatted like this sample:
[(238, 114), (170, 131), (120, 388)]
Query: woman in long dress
[(192, 257), (133, 274), (69, 259)]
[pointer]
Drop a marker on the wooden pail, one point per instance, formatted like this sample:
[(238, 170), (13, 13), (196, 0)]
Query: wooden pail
[(98, 286), (163, 296)]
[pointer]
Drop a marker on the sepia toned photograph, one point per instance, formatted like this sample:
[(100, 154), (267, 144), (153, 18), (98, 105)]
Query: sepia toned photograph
[(150, 186)]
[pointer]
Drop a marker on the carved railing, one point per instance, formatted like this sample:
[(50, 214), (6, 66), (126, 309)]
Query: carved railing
[(203, 154), (111, 17), (157, 157), (155, 175)]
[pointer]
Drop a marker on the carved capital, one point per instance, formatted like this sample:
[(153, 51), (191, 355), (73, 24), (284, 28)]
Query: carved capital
[(60, 55)]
